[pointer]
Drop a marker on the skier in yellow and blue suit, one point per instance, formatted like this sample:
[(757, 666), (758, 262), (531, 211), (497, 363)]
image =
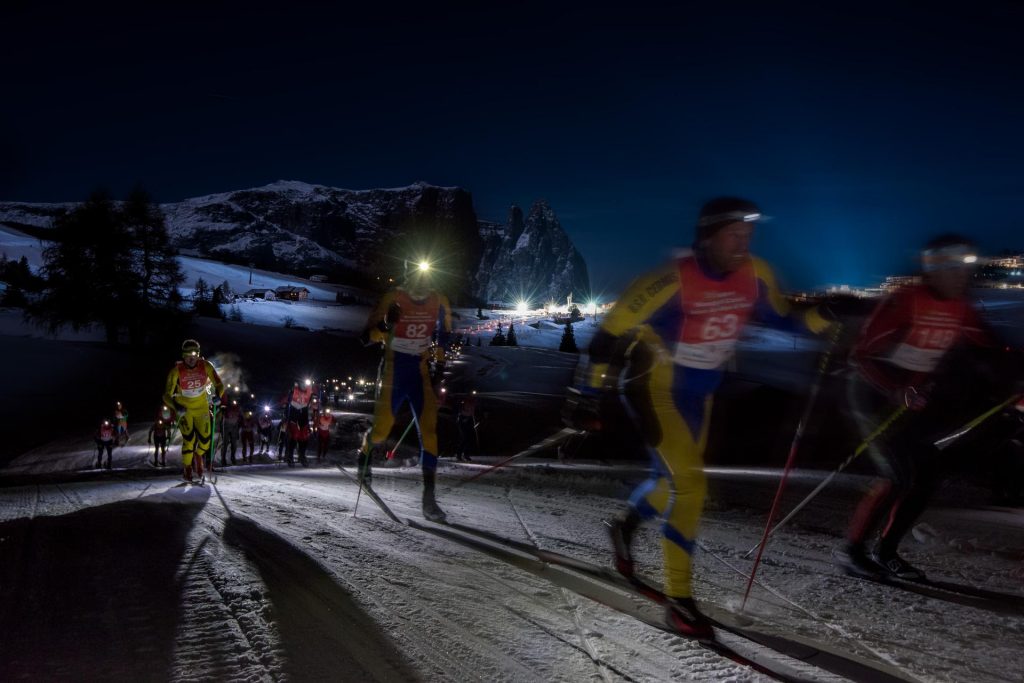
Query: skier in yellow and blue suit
[(406, 321), (664, 347)]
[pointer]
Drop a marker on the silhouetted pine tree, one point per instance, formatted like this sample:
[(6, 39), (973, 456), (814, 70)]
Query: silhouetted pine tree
[(568, 343)]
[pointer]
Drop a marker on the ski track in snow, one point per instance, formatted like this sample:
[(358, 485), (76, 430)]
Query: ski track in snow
[(277, 580)]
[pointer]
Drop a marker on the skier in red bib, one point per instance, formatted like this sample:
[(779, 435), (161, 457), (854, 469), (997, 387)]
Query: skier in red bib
[(105, 436), (324, 421), (666, 344), (158, 438), (187, 394), (406, 321), (894, 364)]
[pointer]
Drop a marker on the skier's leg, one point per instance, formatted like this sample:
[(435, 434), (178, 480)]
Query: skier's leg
[(383, 418), (423, 402), (188, 442), (201, 422)]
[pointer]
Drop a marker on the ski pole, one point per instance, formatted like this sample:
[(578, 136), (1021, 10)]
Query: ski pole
[(791, 458), (213, 443), (846, 463), (950, 439), (391, 453), (552, 440)]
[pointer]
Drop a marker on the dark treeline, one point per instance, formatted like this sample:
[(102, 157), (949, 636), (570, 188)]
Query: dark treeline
[(112, 264)]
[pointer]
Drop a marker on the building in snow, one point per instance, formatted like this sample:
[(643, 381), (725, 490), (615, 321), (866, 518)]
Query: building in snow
[(261, 293), (292, 293)]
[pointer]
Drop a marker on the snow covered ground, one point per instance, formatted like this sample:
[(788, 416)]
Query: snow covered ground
[(274, 575)]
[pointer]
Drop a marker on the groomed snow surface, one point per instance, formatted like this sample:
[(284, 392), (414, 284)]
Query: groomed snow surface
[(273, 574)]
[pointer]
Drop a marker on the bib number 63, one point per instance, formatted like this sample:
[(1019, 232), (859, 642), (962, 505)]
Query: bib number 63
[(720, 327)]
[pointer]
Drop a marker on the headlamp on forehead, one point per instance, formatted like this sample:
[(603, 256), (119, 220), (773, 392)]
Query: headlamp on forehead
[(945, 258), (729, 217)]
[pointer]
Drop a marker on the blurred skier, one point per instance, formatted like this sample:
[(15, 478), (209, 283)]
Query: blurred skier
[(247, 435), (158, 439), (230, 419), (465, 421), (665, 345), (405, 321), (105, 436), (165, 414), (324, 422), (296, 404), (121, 419), (894, 364), (266, 427), (187, 395)]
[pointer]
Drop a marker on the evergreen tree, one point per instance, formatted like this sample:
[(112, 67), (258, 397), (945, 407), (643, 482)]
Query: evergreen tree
[(157, 271), (510, 340), (568, 343), (112, 265), (203, 300), (88, 270), (499, 338)]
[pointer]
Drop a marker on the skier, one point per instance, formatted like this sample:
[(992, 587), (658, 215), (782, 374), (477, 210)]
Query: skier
[(121, 417), (405, 321), (247, 432), (296, 404), (105, 436), (324, 421), (894, 364), (670, 337), (158, 439), (165, 414), (230, 419), (266, 425), (186, 394), (465, 420)]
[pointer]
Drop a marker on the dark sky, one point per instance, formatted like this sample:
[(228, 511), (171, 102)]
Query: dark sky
[(862, 129)]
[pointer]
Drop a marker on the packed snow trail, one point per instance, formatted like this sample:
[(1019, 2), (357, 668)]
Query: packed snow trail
[(268, 576)]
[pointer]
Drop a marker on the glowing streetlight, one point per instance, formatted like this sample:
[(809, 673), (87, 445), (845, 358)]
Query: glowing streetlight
[(424, 266)]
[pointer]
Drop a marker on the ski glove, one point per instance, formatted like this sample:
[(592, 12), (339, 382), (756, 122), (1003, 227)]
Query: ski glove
[(914, 398)]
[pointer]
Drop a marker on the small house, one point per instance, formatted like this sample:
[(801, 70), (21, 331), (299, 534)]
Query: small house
[(261, 293), (292, 293)]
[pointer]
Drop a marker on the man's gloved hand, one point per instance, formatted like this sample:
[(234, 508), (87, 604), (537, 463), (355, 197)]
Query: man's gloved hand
[(583, 408), (914, 398), (215, 400)]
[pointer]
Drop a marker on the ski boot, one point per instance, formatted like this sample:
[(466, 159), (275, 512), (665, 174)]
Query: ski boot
[(99, 464), (854, 560), (109, 464), (683, 617), (431, 511), (188, 474), (163, 462), (896, 567), (620, 530), (365, 471)]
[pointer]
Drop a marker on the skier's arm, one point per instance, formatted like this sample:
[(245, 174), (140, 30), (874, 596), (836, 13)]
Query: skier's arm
[(881, 332), (641, 300), (773, 309), (382, 319), (170, 388), (211, 374)]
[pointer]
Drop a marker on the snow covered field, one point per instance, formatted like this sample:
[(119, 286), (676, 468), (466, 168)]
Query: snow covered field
[(270, 576)]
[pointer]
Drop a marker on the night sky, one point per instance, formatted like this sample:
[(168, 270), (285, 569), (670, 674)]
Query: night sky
[(861, 129)]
